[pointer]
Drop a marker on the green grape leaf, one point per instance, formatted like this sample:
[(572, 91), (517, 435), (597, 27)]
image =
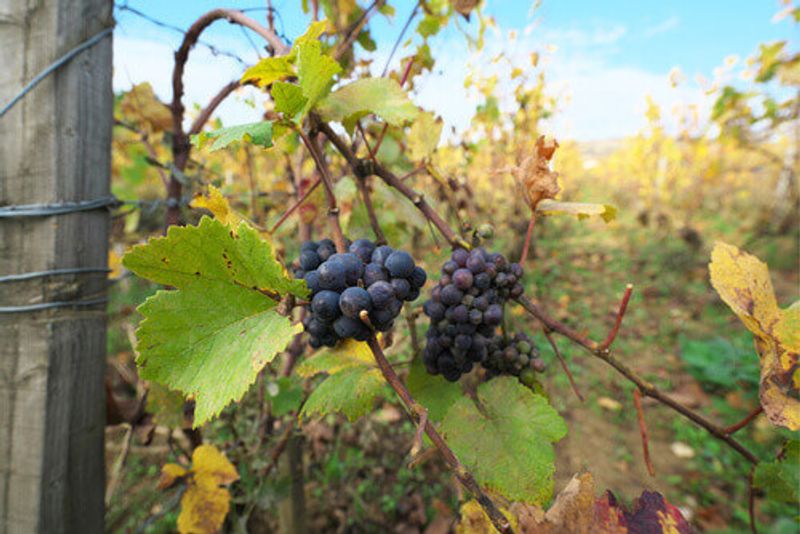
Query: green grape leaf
[(434, 393), (213, 254), (381, 96), (506, 443), (780, 480), (423, 137), (210, 341), (315, 72), (212, 336), (312, 33), (257, 133), (351, 392), (286, 395), (289, 98), (165, 405), (269, 70), (352, 385)]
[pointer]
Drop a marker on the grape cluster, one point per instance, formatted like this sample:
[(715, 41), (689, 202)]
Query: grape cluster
[(375, 279), (465, 309), (516, 356)]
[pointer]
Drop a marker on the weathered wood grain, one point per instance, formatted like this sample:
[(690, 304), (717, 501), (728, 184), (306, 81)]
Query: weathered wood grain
[(54, 146)]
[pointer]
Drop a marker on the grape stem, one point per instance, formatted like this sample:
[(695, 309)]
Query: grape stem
[(637, 402), (563, 362), (419, 415), (327, 181)]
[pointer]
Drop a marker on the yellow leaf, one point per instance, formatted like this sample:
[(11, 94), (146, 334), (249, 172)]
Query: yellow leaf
[(423, 137), (142, 104), (218, 205), (210, 467), (580, 209), (205, 503), (114, 264), (475, 521), (743, 283), (169, 474), (203, 510)]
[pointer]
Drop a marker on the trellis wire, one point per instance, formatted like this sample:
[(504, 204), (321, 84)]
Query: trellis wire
[(55, 66)]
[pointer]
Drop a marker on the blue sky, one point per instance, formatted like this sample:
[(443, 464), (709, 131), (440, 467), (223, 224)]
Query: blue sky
[(601, 58)]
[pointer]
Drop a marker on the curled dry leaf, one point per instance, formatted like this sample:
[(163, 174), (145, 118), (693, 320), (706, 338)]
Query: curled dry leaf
[(577, 511), (534, 174), (743, 283)]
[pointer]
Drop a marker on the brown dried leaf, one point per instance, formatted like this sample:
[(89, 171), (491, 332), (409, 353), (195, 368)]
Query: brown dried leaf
[(534, 175)]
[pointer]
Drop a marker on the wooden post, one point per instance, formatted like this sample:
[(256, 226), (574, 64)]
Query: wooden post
[(55, 147)]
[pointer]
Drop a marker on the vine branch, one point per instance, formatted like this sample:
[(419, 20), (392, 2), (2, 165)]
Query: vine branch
[(417, 413)]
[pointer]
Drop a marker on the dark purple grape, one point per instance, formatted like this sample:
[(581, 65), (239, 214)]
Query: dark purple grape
[(475, 317), (516, 270), (325, 305), (332, 276), (460, 314), (400, 264), (418, 277), (353, 266), (449, 267), (482, 280), (325, 251), (463, 342), (381, 253), (401, 287), (460, 256), (353, 301), (517, 291), (493, 315), (309, 245), (309, 260), (413, 294), (475, 262), (346, 327), (480, 303), (451, 295), (462, 279), (312, 282), (374, 273), (381, 294), (363, 248)]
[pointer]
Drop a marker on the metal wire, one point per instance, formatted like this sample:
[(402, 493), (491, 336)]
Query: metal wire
[(54, 272), (55, 66), (46, 210), (51, 305)]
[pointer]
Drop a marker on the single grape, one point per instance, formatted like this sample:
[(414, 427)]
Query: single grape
[(401, 287), (374, 272), (353, 301), (418, 277), (325, 305), (462, 279), (493, 315), (309, 260), (475, 262), (460, 256), (449, 267), (451, 295), (381, 253), (381, 294), (400, 264), (312, 282), (332, 276), (363, 248)]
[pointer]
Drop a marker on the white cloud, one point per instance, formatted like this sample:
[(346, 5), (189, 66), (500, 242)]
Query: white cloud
[(662, 27), (139, 60)]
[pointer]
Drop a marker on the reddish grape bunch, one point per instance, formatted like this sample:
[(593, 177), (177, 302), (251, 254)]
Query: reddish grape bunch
[(371, 278), (465, 309)]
